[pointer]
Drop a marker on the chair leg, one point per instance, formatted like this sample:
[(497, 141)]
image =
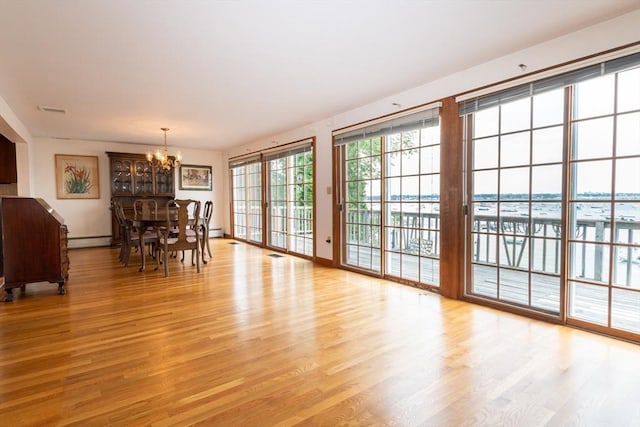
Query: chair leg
[(127, 254), (207, 240), (166, 262)]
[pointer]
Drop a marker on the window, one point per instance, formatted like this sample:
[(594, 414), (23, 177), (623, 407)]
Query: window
[(290, 196), (561, 150), (390, 192), (246, 183)]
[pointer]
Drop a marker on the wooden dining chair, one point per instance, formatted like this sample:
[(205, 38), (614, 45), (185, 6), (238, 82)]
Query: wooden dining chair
[(188, 216), (131, 235), (145, 206)]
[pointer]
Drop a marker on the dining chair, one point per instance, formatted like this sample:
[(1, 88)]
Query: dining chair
[(131, 235), (204, 227), (188, 216), (128, 236), (145, 206)]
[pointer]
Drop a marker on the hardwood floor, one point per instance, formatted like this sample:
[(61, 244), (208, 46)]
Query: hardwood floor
[(258, 341)]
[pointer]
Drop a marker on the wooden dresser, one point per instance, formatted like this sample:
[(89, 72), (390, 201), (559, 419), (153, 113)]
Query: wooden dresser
[(34, 244)]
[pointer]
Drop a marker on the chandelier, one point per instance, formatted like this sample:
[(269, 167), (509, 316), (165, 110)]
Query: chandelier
[(162, 158)]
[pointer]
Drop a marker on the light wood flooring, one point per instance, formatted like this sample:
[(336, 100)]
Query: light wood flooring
[(255, 340)]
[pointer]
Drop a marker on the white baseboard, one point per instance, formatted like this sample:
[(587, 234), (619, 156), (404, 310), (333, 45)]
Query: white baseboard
[(88, 242)]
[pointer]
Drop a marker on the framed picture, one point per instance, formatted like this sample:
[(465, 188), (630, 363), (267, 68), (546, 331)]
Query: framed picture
[(77, 177), (193, 177)]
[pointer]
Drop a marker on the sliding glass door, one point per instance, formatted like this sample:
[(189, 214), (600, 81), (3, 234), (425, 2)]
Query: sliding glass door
[(287, 186), (604, 202), (554, 196), (390, 192), (246, 190), (515, 201), (290, 200)]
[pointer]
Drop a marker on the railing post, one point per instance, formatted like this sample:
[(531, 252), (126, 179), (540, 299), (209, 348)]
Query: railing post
[(597, 269)]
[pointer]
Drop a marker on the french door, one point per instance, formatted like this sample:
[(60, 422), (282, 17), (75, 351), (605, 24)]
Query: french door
[(290, 200), (554, 197), (246, 191), (283, 178), (389, 180)]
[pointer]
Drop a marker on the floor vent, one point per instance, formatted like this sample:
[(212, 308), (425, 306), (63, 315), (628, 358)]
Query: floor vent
[(275, 256)]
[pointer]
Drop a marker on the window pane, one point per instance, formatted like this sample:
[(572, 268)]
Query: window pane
[(485, 122), (624, 310), (548, 108), (485, 280), (546, 255), (485, 185), (547, 145), (545, 292), (429, 187), (588, 221), (485, 153), (430, 159), (515, 115), (592, 179), (392, 188), (588, 302), (593, 139), (547, 182), (629, 90), (628, 135), (514, 286), (514, 183), (628, 178), (393, 164), (411, 162), (627, 217), (589, 261), (514, 149), (594, 97), (410, 186), (626, 266)]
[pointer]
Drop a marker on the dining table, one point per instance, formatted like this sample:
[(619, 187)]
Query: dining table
[(151, 220)]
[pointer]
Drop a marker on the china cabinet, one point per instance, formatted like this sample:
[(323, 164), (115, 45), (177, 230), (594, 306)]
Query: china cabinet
[(134, 177)]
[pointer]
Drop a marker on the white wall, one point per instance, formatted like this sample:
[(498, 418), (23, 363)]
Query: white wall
[(598, 38), (90, 218)]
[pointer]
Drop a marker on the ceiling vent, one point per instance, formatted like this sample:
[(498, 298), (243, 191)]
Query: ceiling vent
[(52, 109)]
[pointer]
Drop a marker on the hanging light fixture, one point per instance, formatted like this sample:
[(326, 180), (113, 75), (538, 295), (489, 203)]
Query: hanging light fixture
[(162, 158)]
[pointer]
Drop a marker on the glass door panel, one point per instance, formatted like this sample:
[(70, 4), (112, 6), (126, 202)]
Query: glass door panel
[(516, 227), (360, 223), (290, 193), (604, 203)]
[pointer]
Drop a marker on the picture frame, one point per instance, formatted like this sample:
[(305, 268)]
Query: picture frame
[(77, 177), (195, 177)]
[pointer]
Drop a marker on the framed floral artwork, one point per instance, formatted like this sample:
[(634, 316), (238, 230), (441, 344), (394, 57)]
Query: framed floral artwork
[(77, 177), (194, 177)]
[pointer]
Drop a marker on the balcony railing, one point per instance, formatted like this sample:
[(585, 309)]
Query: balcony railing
[(518, 238)]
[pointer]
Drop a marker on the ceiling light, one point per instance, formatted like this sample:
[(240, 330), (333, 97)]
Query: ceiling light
[(162, 158)]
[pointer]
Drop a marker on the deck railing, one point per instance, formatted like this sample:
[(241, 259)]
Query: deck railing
[(518, 238)]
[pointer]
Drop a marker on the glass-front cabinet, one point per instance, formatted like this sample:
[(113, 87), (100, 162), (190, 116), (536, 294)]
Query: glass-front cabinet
[(121, 177), (164, 184), (133, 177), (143, 177)]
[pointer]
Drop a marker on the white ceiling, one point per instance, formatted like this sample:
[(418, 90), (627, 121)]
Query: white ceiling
[(225, 73)]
